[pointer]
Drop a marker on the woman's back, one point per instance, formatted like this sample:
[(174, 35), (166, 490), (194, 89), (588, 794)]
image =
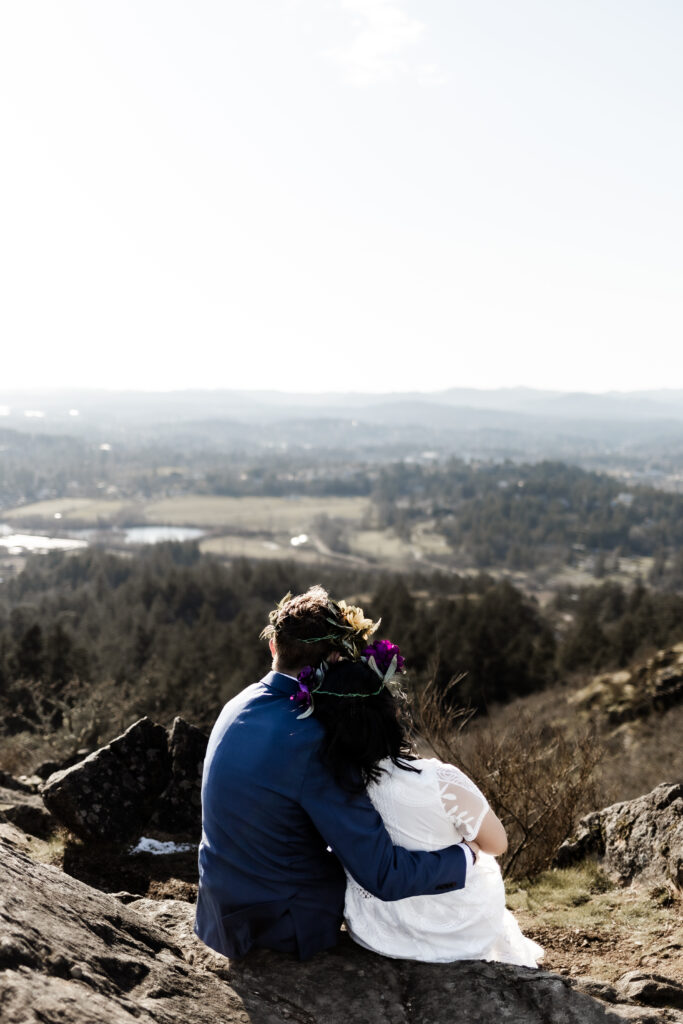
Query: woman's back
[(428, 811)]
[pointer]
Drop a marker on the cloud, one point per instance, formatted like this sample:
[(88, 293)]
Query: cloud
[(382, 35)]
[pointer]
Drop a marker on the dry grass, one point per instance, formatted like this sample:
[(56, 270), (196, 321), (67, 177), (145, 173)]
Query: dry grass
[(638, 755), (430, 543), (381, 546), (86, 510), (89, 720), (239, 546), (589, 927), (271, 515)]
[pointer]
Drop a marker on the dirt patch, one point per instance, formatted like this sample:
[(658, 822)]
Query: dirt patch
[(170, 876), (610, 934)]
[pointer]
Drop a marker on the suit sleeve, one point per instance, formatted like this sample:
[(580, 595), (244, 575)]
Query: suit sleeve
[(353, 829)]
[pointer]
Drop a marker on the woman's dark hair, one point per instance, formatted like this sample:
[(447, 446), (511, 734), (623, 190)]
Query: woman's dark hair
[(360, 730)]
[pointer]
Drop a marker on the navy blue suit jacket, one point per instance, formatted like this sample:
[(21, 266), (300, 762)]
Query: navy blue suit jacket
[(277, 828)]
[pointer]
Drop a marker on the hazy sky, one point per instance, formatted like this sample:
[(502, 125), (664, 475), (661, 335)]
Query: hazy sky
[(335, 194)]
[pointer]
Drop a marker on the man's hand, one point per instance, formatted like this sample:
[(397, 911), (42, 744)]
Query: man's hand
[(474, 847)]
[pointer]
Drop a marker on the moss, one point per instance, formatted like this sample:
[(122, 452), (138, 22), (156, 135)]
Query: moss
[(560, 887), (623, 827)]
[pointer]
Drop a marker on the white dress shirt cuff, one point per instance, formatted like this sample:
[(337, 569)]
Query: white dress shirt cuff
[(469, 856)]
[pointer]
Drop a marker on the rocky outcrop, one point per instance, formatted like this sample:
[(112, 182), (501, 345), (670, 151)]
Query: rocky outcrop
[(650, 989), (72, 955), (179, 808), (112, 793), (638, 840), (22, 806), (145, 774), (633, 693)]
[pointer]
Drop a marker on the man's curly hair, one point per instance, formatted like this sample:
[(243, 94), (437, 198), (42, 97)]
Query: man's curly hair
[(299, 619), (307, 628)]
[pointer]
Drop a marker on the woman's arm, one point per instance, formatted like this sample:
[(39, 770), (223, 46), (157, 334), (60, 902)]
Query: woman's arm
[(491, 837), (468, 809)]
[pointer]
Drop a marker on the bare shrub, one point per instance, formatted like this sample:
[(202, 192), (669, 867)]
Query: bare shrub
[(536, 779), (77, 719)]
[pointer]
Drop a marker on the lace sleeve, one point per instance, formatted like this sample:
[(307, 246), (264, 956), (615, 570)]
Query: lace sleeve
[(464, 804)]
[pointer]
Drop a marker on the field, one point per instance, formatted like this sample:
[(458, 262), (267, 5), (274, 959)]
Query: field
[(270, 515), (239, 546), (387, 547), (69, 510)]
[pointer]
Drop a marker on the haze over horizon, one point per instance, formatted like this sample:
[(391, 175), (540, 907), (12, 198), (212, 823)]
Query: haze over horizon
[(349, 196)]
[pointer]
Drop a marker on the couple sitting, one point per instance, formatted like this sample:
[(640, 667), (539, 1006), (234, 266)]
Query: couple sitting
[(315, 811)]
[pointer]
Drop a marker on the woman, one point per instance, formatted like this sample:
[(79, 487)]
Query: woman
[(425, 805)]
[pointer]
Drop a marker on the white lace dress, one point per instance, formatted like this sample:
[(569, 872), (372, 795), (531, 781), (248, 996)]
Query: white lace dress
[(429, 811)]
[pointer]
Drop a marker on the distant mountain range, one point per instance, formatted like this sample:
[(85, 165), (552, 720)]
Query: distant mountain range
[(598, 430), (147, 407)]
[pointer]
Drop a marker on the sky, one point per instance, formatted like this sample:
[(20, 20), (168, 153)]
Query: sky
[(370, 195)]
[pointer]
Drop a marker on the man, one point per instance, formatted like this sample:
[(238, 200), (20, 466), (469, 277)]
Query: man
[(277, 827)]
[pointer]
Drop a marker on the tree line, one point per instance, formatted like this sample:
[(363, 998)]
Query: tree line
[(171, 632), (524, 515)]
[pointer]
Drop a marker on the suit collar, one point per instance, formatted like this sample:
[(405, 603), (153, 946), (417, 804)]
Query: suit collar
[(280, 683)]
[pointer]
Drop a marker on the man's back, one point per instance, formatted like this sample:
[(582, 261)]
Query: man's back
[(259, 845)]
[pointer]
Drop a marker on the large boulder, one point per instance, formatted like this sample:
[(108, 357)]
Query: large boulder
[(72, 955), (113, 792), (638, 840)]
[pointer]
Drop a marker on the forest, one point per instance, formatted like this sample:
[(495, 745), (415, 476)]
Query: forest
[(171, 632)]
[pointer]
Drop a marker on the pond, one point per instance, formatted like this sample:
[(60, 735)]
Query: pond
[(20, 543), (157, 534)]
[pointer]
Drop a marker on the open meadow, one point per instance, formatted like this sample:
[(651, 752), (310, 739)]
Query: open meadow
[(295, 514)]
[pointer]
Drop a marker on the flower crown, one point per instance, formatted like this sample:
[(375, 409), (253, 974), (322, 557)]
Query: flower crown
[(383, 657), (349, 628)]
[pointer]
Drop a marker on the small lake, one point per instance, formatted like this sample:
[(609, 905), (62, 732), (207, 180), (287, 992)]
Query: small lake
[(19, 543), (157, 534)]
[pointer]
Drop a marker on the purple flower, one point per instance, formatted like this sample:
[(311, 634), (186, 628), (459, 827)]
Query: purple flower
[(383, 652), (303, 695)]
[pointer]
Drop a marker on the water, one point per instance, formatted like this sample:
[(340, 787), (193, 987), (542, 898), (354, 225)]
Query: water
[(157, 534), (21, 543)]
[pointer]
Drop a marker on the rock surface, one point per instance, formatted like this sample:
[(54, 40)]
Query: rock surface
[(179, 808), (112, 793), (639, 840), (650, 989), (72, 955), (24, 808), (142, 777)]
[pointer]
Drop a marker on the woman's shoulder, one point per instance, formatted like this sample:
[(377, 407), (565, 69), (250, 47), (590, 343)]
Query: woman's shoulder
[(436, 766), (445, 774), (424, 769)]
